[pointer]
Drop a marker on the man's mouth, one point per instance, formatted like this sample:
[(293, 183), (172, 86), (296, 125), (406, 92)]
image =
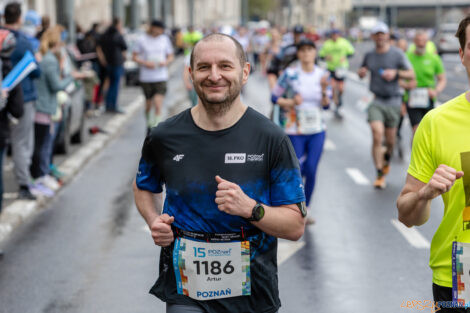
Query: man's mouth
[(215, 87)]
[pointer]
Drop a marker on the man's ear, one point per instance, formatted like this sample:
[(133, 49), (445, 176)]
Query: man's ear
[(246, 72)]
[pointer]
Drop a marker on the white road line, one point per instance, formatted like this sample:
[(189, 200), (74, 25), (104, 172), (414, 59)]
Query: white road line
[(286, 249), (330, 145), (412, 235), (146, 229), (357, 176)]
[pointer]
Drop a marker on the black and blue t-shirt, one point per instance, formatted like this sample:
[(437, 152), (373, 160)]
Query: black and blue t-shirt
[(253, 153)]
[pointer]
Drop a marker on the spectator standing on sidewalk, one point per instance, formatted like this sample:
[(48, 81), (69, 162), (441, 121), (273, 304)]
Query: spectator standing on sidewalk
[(111, 53), (22, 133), (49, 83), (11, 104), (153, 53), (45, 24)]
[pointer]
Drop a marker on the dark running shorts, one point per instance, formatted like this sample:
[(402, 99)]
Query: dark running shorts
[(152, 89)]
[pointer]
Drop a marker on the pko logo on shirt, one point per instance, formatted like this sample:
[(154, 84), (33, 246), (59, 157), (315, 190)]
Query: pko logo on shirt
[(235, 157)]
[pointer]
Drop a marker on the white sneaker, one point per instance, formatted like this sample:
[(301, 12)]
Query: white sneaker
[(39, 191), (48, 181)]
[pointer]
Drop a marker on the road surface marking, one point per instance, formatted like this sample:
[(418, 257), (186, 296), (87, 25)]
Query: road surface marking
[(330, 145), (286, 249), (146, 229), (412, 235), (357, 176)]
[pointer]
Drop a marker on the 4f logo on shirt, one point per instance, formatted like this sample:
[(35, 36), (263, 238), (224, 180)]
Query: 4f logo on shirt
[(235, 157), (178, 157)]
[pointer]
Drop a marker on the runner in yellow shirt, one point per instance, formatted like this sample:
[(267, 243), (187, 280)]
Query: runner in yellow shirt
[(336, 52), (440, 157)]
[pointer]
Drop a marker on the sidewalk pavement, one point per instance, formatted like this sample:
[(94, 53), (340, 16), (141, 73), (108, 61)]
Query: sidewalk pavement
[(131, 100)]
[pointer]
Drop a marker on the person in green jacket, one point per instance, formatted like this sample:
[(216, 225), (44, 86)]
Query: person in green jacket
[(430, 76), (336, 51)]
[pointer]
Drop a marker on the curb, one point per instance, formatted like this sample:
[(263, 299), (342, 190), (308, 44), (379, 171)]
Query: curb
[(20, 210)]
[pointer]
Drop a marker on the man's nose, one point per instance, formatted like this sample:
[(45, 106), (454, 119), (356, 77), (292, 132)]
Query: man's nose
[(215, 73)]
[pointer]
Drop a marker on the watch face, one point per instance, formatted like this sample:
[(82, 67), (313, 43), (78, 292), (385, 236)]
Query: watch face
[(259, 212)]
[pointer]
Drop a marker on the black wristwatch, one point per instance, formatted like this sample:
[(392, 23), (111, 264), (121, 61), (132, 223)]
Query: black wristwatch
[(257, 213)]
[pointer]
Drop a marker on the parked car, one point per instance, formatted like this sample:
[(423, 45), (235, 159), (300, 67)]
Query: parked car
[(72, 125), (445, 39)]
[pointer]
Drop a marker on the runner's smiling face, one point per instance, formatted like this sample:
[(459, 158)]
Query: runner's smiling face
[(217, 74)]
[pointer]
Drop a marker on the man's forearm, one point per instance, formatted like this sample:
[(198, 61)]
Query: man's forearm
[(282, 222), (147, 203), (406, 74), (441, 84), (413, 210)]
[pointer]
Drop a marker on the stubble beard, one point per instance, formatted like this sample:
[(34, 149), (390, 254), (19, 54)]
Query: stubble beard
[(220, 107)]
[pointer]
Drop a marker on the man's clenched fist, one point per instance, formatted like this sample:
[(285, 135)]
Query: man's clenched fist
[(161, 230), (441, 182)]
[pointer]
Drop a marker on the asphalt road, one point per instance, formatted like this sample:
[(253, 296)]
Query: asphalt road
[(89, 250)]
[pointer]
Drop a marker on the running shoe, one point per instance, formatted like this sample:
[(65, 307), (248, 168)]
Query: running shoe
[(386, 169), (55, 172), (25, 194), (338, 115), (39, 190), (380, 183), (48, 181)]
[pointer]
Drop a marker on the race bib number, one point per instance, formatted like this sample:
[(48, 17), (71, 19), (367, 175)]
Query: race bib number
[(419, 98), (461, 272), (341, 72), (206, 271), (309, 120)]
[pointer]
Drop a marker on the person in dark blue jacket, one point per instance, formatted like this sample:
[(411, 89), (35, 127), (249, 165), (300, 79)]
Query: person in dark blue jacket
[(22, 133), (11, 104)]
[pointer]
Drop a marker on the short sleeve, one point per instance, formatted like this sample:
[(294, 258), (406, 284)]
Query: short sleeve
[(439, 69), (148, 175), (422, 164), (350, 48), (122, 43), (169, 47), (404, 63), (286, 185), (281, 85), (364, 61), (138, 47)]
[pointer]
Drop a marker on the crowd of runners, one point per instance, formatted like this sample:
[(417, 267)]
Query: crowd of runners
[(235, 181)]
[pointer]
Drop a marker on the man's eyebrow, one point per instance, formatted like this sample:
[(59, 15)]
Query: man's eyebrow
[(199, 63)]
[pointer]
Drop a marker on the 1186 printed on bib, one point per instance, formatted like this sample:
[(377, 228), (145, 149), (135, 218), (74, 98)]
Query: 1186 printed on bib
[(206, 271)]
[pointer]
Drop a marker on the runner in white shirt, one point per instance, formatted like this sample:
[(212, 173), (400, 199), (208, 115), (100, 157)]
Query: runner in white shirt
[(154, 52), (301, 93)]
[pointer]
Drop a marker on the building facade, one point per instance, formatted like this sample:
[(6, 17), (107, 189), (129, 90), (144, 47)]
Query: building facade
[(322, 14)]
